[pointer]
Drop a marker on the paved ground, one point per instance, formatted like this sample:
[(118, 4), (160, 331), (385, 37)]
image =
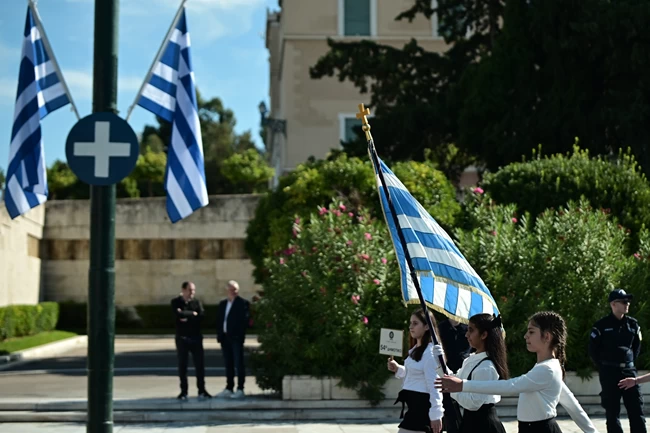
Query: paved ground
[(567, 426), (144, 368)]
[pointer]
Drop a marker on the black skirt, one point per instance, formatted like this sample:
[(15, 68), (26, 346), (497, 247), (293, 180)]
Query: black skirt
[(484, 420), (545, 426), (416, 417)]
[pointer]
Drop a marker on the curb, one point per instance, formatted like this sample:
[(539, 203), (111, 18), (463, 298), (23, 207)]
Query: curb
[(45, 351)]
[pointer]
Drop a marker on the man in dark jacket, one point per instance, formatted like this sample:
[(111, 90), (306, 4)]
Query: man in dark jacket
[(189, 312), (614, 346), (232, 320)]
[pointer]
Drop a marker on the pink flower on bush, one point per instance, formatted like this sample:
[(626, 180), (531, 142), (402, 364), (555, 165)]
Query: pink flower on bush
[(364, 257), (368, 236), (297, 221), (376, 281), (342, 207), (478, 190), (355, 299), (323, 290), (314, 249), (304, 274), (295, 233), (281, 261), (493, 232), (383, 260), (322, 211), (637, 256), (350, 214), (348, 243), (365, 320), (514, 220)]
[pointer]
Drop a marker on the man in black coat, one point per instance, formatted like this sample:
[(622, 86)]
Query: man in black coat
[(232, 320), (189, 313)]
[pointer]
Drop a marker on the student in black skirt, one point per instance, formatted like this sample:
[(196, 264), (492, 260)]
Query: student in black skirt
[(542, 388), (488, 362), (418, 392)]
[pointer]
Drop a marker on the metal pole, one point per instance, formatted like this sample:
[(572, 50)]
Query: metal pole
[(101, 275)]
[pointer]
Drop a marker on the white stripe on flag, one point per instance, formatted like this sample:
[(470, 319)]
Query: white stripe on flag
[(161, 98), (176, 195), (464, 302), (165, 72), (17, 194)]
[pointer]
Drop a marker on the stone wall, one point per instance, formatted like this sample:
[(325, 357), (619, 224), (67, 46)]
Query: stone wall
[(20, 265), (153, 256)]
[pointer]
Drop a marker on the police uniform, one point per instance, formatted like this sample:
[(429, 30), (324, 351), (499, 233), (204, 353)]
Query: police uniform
[(614, 347)]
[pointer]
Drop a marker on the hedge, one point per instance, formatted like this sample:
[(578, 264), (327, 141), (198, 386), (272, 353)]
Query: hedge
[(617, 185), (24, 320)]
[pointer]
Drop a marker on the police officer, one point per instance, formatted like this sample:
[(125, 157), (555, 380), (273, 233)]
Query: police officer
[(614, 346)]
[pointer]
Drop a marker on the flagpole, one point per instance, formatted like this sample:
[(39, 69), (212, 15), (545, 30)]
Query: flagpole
[(50, 52), (363, 112), (157, 58)]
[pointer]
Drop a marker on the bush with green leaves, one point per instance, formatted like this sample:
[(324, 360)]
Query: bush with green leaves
[(24, 320), (339, 178), (551, 182), (327, 295), (567, 260)]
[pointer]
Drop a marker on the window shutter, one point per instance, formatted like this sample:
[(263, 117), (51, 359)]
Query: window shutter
[(357, 17)]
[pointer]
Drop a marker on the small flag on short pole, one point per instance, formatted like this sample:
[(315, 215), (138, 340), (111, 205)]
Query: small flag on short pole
[(169, 92), (41, 90)]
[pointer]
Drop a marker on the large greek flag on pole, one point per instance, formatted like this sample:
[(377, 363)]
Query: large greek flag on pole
[(169, 92), (41, 90), (448, 283)]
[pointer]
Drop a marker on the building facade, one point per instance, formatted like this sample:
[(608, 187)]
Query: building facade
[(316, 115)]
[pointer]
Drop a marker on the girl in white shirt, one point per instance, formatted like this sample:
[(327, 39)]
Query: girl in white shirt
[(542, 388), (418, 392), (488, 362)]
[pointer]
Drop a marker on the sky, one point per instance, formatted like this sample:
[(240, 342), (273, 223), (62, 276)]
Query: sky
[(228, 53)]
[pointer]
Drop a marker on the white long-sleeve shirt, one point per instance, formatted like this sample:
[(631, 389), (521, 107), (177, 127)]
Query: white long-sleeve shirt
[(484, 371), (420, 376), (539, 390)]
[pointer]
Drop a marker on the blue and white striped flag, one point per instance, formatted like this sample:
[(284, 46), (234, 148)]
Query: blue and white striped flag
[(448, 283), (169, 93), (41, 90)]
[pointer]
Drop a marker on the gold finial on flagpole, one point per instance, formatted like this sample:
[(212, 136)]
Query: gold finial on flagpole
[(363, 112)]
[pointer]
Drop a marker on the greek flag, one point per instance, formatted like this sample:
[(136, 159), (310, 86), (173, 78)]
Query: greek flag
[(168, 92), (448, 283), (41, 90)]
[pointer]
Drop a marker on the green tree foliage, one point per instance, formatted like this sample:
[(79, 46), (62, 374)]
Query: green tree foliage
[(247, 171), (149, 173), (340, 178), (332, 289), (617, 185), (63, 184), (554, 70), (567, 257)]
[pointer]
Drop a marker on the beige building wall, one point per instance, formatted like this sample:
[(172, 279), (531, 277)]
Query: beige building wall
[(20, 265), (153, 256), (315, 109)]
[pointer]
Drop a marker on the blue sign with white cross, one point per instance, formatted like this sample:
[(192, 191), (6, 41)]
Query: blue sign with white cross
[(102, 149)]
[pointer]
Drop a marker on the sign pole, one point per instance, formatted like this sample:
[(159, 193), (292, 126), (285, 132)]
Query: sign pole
[(101, 275)]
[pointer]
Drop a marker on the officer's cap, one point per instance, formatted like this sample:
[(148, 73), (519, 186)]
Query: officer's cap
[(617, 294)]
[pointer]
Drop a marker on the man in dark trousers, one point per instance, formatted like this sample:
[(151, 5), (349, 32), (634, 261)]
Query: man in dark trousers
[(188, 312), (614, 346), (232, 320)]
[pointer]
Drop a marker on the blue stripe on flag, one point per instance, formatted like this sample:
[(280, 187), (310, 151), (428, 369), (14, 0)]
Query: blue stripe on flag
[(180, 169), (156, 108), (164, 85), (26, 180)]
